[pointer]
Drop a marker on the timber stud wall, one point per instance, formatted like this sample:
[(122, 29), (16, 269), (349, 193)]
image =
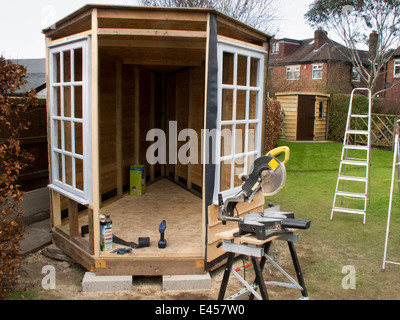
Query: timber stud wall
[(148, 67)]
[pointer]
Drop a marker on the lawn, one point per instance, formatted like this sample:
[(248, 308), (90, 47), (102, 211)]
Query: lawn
[(328, 246)]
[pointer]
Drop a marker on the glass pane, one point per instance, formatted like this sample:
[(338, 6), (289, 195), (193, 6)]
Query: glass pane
[(239, 169), (251, 146), (226, 140), (225, 175), (58, 173), (254, 72), (227, 104), (78, 64), (67, 102), (67, 66), (227, 69), (67, 136), (58, 138), (68, 170), (78, 138), (56, 67), (57, 101), (242, 71), (241, 105), (78, 102), (60, 167), (253, 105), (239, 138), (79, 173)]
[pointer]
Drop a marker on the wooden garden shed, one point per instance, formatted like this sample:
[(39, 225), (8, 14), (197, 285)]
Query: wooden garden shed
[(305, 115), (114, 73)]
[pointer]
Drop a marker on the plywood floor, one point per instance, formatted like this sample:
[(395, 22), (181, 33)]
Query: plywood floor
[(140, 216)]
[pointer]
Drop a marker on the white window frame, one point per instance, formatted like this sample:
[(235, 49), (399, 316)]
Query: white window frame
[(84, 196), (275, 47), (317, 68), (396, 63), (294, 72), (236, 50), (355, 74)]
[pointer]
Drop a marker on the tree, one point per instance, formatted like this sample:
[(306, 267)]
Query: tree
[(12, 161), (352, 21), (259, 14)]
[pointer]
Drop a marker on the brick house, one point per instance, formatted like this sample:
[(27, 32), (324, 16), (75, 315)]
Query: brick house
[(392, 77), (303, 74), (312, 65)]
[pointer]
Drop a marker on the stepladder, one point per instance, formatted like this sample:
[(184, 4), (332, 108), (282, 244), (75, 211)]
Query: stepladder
[(352, 193), (395, 167)]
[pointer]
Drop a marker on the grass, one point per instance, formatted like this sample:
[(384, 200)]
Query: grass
[(328, 246)]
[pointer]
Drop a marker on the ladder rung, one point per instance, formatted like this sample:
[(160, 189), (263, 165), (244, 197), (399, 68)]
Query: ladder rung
[(350, 178), (359, 116), (355, 163), (357, 131), (351, 194), (354, 147), (339, 209)]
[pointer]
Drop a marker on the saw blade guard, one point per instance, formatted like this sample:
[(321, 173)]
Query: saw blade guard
[(273, 180)]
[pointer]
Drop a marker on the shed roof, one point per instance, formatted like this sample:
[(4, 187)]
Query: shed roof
[(299, 93), (78, 14)]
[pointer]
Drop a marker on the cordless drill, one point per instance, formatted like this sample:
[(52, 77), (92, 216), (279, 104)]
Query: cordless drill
[(162, 244)]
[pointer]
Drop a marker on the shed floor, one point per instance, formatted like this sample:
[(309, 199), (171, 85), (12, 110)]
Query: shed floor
[(140, 216)]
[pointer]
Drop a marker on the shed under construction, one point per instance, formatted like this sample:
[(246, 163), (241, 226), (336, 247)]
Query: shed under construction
[(114, 73)]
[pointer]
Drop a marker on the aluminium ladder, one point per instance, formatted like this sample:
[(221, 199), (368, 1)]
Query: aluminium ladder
[(396, 165), (353, 182)]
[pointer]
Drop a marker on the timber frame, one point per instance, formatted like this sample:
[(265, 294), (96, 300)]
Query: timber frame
[(113, 74)]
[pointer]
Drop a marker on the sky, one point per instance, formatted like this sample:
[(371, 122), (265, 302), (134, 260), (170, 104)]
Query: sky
[(22, 22)]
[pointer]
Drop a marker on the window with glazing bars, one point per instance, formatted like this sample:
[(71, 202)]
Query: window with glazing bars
[(239, 122), (70, 119)]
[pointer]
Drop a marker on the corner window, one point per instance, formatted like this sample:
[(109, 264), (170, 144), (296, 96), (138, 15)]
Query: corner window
[(396, 69), (239, 119), (293, 73), (317, 71), (70, 125)]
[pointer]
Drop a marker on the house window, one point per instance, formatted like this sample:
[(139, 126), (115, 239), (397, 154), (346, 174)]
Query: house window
[(355, 74), (293, 73), (70, 125), (275, 47), (317, 71), (239, 119), (396, 69)]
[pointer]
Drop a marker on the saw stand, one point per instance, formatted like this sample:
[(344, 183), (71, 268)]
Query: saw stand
[(258, 250)]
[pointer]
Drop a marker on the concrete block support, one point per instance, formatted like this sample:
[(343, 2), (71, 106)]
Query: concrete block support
[(93, 283)]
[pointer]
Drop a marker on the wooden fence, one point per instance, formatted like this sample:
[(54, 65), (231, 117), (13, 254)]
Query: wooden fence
[(382, 129)]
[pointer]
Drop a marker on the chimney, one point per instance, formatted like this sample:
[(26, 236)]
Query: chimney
[(373, 45), (320, 38)]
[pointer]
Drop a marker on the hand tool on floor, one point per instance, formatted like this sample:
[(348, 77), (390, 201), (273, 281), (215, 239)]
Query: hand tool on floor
[(162, 244), (122, 251)]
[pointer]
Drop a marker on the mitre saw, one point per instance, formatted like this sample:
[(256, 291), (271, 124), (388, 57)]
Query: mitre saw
[(267, 174)]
